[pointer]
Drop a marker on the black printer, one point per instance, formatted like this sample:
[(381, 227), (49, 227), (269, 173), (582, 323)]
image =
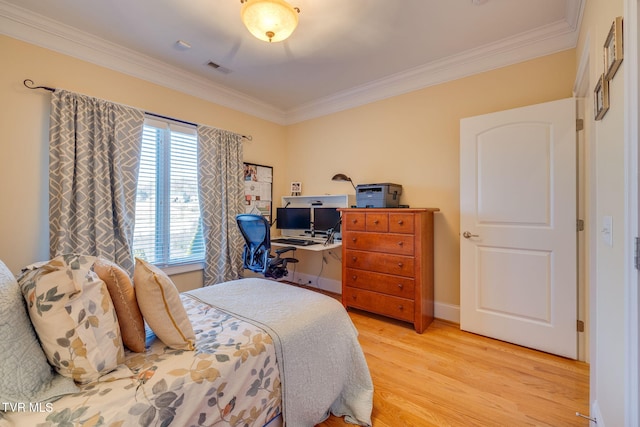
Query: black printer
[(386, 195)]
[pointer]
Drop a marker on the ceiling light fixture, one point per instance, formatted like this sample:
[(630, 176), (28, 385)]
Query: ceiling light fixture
[(269, 20)]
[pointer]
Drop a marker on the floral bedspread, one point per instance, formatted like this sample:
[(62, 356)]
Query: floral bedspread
[(232, 379)]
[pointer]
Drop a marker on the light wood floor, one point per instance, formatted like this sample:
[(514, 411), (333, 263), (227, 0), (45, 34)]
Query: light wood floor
[(446, 377)]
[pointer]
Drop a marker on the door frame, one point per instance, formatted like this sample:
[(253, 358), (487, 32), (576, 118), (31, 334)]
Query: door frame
[(632, 293), (587, 196), (587, 277)]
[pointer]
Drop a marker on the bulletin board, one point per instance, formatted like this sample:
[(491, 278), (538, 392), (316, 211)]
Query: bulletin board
[(258, 189)]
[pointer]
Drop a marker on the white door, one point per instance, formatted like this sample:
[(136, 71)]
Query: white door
[(518, 226)]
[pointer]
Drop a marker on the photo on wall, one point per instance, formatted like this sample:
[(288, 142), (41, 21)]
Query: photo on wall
[(258, 189)]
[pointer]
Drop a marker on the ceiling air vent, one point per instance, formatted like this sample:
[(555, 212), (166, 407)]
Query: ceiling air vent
[(218, 67)]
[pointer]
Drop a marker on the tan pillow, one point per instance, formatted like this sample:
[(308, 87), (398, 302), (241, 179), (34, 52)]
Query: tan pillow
[(124, 300), (72, 313), (160, 304)]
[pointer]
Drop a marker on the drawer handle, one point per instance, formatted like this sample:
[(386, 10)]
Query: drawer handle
[(400, 307), (375, 221), (354, 277), (354, 258), (400, 222), (400, 285), (400, 243), (353, 239), (400, 264), (355, 221)]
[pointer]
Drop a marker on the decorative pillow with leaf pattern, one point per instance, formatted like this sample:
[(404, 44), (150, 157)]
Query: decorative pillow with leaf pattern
[(25, 375), (73, 316)]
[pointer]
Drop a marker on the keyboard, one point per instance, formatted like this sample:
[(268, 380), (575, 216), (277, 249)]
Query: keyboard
[(295, 242)]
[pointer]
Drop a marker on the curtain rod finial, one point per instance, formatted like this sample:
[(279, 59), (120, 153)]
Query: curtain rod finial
[(31, 85)]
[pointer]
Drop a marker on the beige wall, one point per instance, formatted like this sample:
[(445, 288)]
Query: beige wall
[(606, 174), (24, 120), (412, 140)]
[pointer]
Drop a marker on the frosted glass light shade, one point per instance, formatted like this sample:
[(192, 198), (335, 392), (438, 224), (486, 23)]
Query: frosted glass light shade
[(269, 20)]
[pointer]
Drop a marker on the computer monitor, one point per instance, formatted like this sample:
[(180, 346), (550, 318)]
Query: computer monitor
[(325, 219), (293, 218)]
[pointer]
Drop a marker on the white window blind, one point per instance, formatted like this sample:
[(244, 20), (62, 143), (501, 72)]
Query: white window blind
[(168, 229)]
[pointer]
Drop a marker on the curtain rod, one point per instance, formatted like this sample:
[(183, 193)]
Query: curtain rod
[(31, 85)]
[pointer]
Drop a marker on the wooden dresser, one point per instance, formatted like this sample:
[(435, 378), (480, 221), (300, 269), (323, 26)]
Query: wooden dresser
[(387, 262)]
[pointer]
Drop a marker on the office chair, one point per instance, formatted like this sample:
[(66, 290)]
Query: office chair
[(257, 255)]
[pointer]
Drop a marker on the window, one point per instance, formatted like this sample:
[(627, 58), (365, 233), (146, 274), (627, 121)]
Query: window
[(168, 230)]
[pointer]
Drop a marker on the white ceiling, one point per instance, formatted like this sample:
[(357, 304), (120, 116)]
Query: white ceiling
[(344, 52)]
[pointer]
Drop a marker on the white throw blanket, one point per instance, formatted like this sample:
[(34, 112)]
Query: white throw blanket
[(321, 363)]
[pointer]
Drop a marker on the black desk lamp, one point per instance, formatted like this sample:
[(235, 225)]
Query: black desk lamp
[(342, 177)]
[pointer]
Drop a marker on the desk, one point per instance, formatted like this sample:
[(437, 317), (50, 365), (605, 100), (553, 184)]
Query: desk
[(315, 267), (315, 248)]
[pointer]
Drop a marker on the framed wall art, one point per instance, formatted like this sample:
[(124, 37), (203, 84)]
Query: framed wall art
[(258, 189), (601, 98), (296, 188), (613, 49)]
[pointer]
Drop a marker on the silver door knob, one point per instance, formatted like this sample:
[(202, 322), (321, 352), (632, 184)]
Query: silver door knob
[(468, 235)]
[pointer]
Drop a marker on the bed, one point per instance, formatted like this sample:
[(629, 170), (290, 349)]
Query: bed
[(266, 353)]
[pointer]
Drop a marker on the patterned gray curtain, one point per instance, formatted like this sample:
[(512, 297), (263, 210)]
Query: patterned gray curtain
[(221, 192), (94, 153)]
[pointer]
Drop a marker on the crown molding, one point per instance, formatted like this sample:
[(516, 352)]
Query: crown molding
[(24, 25), (574, 12), (36, 29), (547, 40)]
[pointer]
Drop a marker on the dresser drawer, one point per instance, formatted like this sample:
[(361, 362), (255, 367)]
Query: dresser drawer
[(378, 282), (399, 308), (387, 262), (354, 221), (401, 223), (377, 222), (379, 262), (401, 244)]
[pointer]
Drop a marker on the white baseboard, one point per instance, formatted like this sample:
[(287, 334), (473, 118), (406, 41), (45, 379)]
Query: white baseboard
[(448, 312), (313, 281)]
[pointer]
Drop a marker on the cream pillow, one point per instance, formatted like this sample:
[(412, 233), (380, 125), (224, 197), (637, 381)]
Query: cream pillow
[(124, 300), (72, 313), (160, 304)]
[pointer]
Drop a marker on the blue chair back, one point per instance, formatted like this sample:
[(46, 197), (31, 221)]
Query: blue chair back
[(256, 233)]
